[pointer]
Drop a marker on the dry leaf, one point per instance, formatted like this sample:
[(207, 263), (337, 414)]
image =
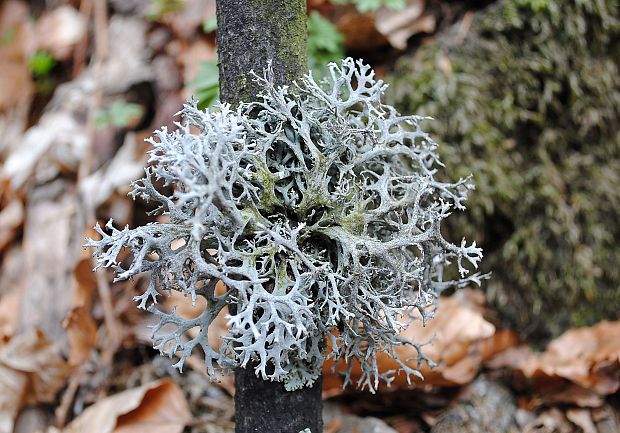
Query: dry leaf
[(587, 357), (399, 25), (59, 30), (502, 340), (157, 407), (33, 354), (31, 371), (579, 367), (82, 331), (358, 29)]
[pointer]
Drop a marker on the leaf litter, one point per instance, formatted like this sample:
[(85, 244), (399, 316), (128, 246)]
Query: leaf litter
[(55, 332)]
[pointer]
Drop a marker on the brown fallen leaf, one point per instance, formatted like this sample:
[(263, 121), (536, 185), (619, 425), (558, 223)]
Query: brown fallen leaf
[(455, 336), (587, 357), (579, 367), (358, 28), (13, 385), (82, 331), (399, 25), (31, 371), (502, 340), (157, 407)]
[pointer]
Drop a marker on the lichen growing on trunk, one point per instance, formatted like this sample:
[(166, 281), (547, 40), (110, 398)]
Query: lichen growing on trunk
[(318, 208), (530, 101)]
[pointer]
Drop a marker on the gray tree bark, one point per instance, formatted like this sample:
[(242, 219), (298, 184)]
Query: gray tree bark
[(251, 33)]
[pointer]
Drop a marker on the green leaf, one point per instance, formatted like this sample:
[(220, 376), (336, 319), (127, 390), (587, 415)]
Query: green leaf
[(209, 25), (119, 114), (325, 42), (206, 86), (41, 63), (365, 6)]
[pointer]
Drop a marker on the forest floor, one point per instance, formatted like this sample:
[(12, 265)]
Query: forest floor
[(82, 86)]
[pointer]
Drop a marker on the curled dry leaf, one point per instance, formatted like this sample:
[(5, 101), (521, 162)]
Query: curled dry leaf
[(157, 407), (358, 29), (586, 358), (399, 25), (31, 371), (59, 30), (455, 336), (589, 357)]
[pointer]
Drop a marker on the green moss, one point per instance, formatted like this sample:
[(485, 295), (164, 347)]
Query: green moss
[(268, 201), (244, 89), (529, 102), (353, 222)]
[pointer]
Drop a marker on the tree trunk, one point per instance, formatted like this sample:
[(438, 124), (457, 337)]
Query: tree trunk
[(250, 33)]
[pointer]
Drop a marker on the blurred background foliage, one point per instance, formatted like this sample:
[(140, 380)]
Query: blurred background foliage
[(529, 101)]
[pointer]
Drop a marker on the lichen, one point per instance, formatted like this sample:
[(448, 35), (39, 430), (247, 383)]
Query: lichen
[(530, 101), (318, 209)]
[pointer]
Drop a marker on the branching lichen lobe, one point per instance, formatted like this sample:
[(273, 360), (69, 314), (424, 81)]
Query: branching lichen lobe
[(318, 208)]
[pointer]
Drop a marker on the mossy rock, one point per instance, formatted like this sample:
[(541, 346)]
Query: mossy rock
[(529, 102)]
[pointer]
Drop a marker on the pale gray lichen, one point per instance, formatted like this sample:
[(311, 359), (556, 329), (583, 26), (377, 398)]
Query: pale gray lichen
[(318, 209)]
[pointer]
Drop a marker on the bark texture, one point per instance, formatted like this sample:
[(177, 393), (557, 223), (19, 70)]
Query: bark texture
[(250, 34), (266, 407)]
